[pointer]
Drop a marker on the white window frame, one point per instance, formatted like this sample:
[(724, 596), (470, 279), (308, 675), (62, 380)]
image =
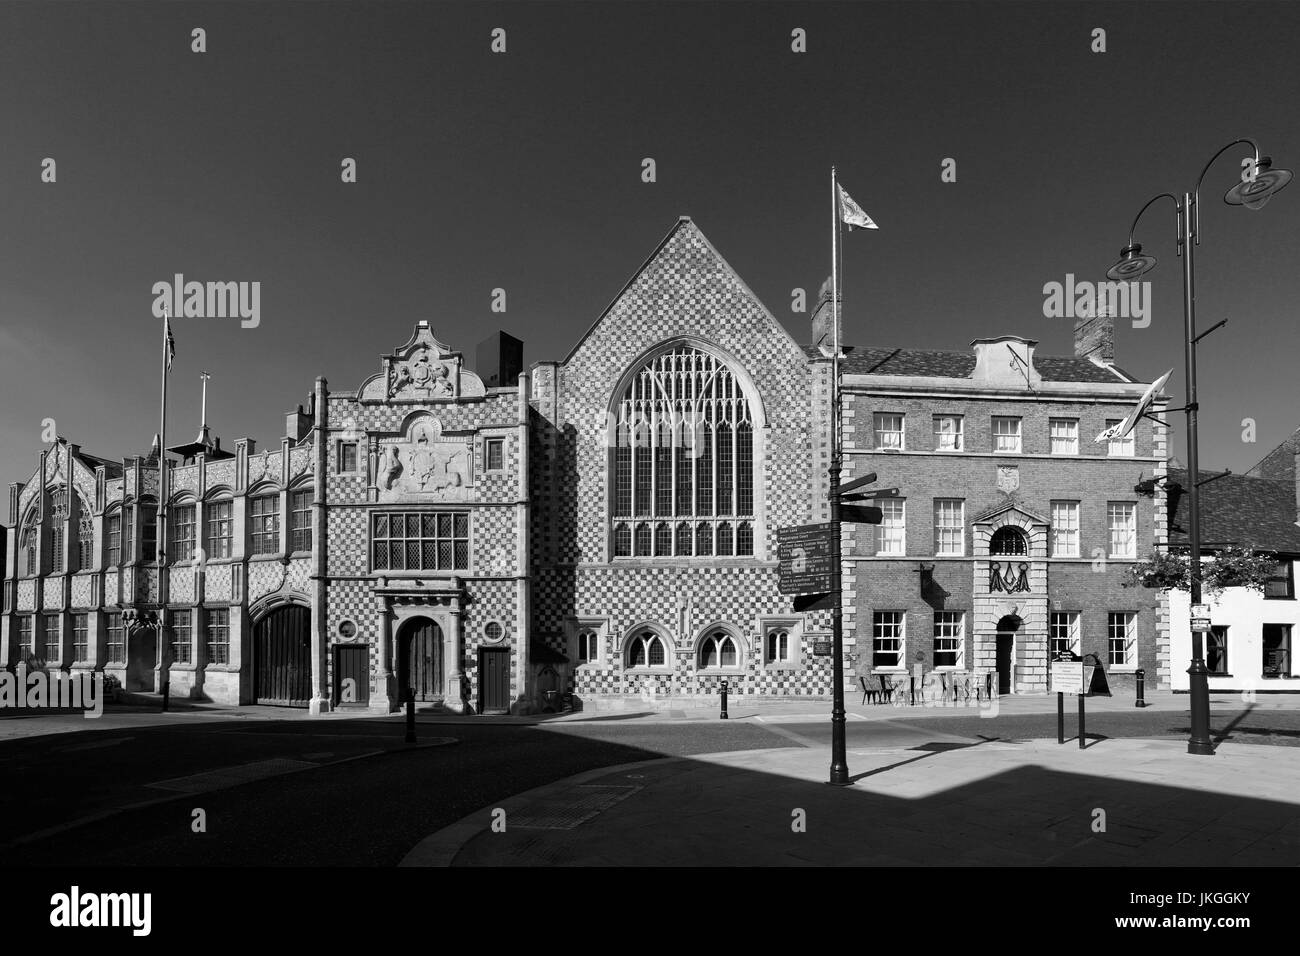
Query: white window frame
[(998, 434), (1069, 621), (959, 637), (1130, 640), (957, 434), (877, 625), (891, 533), (1130, 530), (1066, 518), (942, 510), (1121, 447), (1064, 431), (880, 429)]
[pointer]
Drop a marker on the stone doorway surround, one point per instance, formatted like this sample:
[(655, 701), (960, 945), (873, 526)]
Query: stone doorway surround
[(994, 598), (440, 600)]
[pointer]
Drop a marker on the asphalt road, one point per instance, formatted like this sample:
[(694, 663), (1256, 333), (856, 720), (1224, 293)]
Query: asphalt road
[(359, 796)]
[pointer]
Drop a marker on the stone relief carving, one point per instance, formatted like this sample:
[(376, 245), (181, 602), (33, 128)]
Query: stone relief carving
[(425, 463)]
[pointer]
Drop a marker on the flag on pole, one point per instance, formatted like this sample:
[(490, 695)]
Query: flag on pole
[(171, 340), (852, 214)]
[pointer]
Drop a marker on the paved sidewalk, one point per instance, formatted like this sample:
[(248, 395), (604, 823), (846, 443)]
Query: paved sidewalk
[(25, 723), (1120, 802)]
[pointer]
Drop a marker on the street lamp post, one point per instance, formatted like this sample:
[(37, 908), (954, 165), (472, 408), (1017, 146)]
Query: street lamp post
[(1259, 183)]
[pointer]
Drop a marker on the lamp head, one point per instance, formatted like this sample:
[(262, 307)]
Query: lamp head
[(1255, 193), (1131, 264)]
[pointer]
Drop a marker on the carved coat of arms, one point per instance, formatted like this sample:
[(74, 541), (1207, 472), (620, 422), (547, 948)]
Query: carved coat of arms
[(1008, 479)]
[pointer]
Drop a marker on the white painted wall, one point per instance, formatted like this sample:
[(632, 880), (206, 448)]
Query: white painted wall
[(1245, 612)]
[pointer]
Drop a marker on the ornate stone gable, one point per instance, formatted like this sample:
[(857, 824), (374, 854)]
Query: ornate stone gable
[(423, 371)]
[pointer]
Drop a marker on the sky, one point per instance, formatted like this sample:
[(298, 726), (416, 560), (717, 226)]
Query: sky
[(522, 171)]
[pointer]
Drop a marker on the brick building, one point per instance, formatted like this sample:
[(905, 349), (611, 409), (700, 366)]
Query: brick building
[(604, 524), (1006, 527)]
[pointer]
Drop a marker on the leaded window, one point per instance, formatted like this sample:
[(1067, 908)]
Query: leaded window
[(646, 650), (182, 533), (220, 528), (264, 523), (300, 520), (683, 452), (718, 650), (116, 638), (420, 540)]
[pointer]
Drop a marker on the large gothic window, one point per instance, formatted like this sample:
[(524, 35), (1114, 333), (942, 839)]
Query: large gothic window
[(683, 450)]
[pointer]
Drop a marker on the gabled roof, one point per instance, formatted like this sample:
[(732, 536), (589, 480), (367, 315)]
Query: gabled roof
[(1010, 504), (936, 363), (683, 224), (1236, 509)]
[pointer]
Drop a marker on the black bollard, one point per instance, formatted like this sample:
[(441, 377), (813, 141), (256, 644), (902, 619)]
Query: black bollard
[(723, 715), (167, 688), (1083, 736), (1060, 717), (1141, 676), (410, 716)]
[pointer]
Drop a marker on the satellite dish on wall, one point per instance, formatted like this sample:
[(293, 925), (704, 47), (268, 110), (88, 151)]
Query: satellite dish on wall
[(1131, 419)]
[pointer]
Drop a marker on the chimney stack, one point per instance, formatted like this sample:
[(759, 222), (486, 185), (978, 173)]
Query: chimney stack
[(500, 359), (297, 424), (1094, 339)]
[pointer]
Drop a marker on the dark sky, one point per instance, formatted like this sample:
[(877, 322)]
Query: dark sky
[(522, 171)]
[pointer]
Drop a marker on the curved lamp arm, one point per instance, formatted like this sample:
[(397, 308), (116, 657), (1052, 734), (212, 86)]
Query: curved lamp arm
[(1196, 194), (1150, 202)]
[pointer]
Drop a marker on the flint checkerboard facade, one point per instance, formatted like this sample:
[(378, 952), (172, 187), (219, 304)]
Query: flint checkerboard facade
[(493, 546)]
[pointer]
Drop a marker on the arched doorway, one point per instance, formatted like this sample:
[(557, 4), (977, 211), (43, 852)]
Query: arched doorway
[(1008, 626), (282, 657), (419, 659), (141, 658)]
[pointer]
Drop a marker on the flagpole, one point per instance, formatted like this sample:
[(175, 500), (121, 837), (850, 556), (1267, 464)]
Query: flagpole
[(161, 544), (839, 774)]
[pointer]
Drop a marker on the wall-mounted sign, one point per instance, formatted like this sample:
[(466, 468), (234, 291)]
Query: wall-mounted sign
[(821, 648)]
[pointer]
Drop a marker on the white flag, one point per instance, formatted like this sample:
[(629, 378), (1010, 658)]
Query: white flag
[(852, 213)]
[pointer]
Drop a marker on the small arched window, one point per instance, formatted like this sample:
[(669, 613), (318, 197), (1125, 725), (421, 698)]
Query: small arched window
[(646, 650), (718, 650), (1008, 541), (587, 646)]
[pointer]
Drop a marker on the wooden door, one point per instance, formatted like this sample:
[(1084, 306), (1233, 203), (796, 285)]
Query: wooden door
[(494, 680), (282, 671), (352, 675), (419, 668)]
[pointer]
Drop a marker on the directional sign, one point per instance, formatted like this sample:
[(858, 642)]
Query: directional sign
[(857, 483), (805, 556), (861, 514), (813, 602)]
